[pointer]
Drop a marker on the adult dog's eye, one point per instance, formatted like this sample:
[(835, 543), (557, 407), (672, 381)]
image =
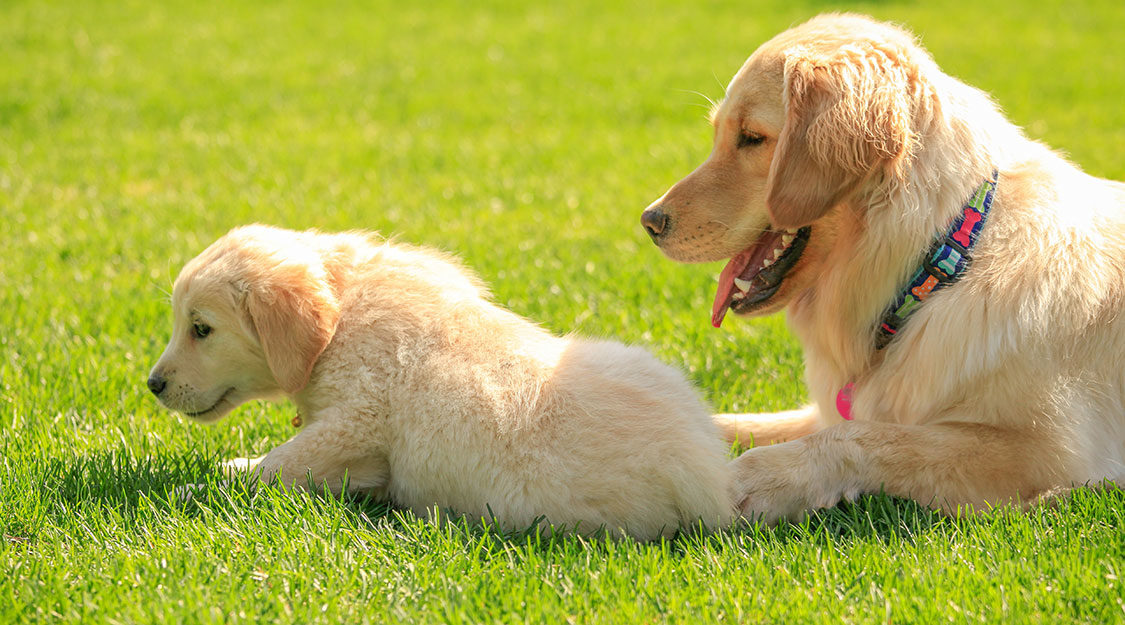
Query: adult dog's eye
[(201, 330), (747, 139)]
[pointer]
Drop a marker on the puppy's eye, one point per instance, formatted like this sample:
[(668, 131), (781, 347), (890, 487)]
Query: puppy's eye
[(748, 139), (201, 330)]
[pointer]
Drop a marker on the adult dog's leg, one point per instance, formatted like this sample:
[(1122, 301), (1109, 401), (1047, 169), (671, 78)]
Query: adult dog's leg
[(947, 466), (765, 428), (326, 452)]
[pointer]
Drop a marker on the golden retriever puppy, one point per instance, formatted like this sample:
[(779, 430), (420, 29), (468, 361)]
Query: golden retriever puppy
[(418, 389), (958, 288)]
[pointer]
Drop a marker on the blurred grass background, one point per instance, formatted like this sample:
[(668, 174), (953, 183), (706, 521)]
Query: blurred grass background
[(525, 138)]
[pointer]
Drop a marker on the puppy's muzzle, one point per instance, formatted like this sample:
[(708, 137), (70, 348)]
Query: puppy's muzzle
[(655, 222)]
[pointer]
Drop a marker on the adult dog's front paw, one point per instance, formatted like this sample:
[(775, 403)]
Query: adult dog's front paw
[(780, 482)]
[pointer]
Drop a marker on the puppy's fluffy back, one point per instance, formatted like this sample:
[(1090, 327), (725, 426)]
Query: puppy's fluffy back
[(486, 413)]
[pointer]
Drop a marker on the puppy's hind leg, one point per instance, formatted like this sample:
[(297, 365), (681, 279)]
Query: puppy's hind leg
[(767, 428)]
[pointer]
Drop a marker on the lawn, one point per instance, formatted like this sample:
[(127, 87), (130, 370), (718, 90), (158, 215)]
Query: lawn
[(527, 140)]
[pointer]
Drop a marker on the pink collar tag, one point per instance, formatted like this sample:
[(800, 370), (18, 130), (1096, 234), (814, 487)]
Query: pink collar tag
[(844, 401)]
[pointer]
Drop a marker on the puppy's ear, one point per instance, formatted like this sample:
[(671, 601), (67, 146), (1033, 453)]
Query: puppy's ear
[(294, 312), (846, 117)]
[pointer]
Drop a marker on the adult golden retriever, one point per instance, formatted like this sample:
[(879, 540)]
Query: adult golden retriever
[(418, 389), (841, 153)]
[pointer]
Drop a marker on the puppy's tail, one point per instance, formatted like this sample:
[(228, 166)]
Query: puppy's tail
[(767, 428)]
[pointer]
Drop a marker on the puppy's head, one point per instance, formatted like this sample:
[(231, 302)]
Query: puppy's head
[(812, 117), (251, 315)]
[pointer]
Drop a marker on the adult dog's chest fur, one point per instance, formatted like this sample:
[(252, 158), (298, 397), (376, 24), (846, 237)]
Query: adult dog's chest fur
[(1043, 291)]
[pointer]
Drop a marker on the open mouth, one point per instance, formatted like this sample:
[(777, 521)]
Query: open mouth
[(213, 406), (752, 277)]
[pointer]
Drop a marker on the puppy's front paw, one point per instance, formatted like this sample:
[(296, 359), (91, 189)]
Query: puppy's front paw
[(778, 482), (187, 492), (240, 467)]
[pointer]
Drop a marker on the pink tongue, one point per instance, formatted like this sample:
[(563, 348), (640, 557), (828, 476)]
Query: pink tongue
[(726, 286)]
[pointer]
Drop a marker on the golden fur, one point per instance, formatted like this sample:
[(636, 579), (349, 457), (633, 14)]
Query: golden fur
[(424, 392), (1004, 387)]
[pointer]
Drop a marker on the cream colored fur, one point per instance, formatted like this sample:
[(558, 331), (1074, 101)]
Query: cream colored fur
[(1004, 387), (424, 392)]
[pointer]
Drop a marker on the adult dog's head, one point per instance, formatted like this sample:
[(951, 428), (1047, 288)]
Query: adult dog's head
[(813, 117), (252, 314)]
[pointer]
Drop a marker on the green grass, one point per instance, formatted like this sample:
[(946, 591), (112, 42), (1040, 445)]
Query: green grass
[(527, 140)]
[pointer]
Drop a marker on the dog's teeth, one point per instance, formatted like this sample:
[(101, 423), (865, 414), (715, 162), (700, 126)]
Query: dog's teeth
[(787, 239), (777, 253), (767, 262), (743, 285), (737, 295)]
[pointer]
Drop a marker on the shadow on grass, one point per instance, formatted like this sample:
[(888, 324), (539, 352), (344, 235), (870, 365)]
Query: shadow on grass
[(119, 485), (112, 481), (118, 481), (891, 519), (880, 517)]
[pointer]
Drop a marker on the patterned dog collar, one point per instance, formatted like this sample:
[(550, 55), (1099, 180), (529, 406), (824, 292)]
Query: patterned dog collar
[(946, 261)]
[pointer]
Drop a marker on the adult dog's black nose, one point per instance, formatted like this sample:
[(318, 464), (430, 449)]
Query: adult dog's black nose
[(156, 384), (655, 222)]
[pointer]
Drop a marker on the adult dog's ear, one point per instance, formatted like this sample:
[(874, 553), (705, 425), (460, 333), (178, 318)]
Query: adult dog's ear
[(847, 116), (294, 312)]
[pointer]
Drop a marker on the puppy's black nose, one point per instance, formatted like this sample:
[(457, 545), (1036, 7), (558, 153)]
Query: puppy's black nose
[(156, 383), (655, 222)]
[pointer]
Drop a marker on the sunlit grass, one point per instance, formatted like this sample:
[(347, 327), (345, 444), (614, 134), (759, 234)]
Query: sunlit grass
[(527, 140)]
